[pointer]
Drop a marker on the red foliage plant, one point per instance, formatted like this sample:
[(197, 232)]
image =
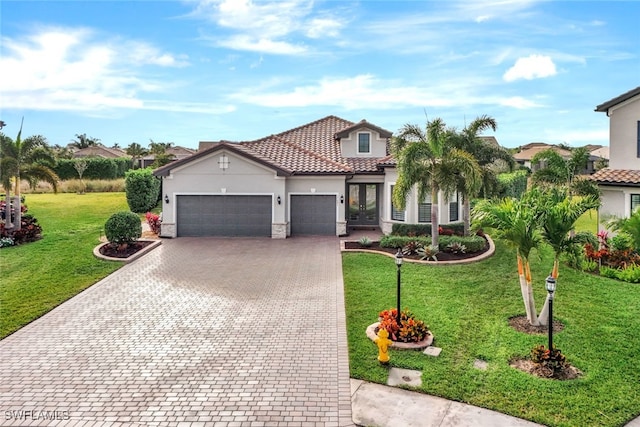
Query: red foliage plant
[(410, 330), (154, 222)]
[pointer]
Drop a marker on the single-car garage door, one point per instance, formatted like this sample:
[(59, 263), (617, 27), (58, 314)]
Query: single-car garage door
[(231, 215), (313, 214)]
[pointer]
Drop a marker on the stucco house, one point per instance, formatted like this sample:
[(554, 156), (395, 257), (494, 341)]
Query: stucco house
[(99, 151), (325, 177), (620, 182), (176, 153)]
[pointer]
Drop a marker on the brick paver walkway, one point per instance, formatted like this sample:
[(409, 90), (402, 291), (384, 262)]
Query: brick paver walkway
[(206, 331)]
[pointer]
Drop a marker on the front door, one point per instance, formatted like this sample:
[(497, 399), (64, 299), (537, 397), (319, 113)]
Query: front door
[(363, 204)]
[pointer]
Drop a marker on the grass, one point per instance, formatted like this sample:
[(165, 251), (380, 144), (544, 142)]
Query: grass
[(38, 276), (588, 222), (467, 309)]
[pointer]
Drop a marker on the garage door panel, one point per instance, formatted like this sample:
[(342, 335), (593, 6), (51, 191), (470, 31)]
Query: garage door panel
[(224, 215), (313, 214)]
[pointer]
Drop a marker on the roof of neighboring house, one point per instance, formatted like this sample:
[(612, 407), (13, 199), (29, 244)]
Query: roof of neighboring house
[(604, 107), (617, 176), (491, 140), (177, 153), (602, 152), (311, 149), (534, 148), (100, 151)]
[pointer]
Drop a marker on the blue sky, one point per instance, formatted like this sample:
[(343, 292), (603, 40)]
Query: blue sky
[(186, 71)]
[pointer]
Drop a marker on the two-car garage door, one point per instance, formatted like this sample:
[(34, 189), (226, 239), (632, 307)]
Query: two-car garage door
[(224, 215), (251, 215)]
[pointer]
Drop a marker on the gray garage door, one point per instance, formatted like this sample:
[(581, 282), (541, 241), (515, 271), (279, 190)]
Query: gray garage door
[(313, 215), (224, 215)]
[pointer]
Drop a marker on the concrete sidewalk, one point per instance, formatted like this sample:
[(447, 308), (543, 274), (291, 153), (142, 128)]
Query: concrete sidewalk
[(384, 406)]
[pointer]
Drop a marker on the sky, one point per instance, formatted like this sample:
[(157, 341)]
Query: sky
[(239, 70)]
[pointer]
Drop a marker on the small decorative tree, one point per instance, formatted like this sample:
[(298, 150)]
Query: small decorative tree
[(80, 166)]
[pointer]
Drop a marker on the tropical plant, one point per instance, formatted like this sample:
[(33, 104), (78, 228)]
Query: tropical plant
[(551, 360), (364, 241), (429, 252), (427, 160), (154, 222), (160, 155), (558, 215), (29, 159), (411, 247), (136, 151), (630, 226), (487, 155), (409, 330), (517, 221), (84, 141), (557, 170)]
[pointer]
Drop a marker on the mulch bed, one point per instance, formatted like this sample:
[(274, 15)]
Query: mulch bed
[(527, 365), (442, 256), (126, 252), (521, 324)]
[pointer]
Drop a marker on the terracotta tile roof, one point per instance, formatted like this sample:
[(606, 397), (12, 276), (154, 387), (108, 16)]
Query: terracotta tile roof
[(311, 149), (617, 176)]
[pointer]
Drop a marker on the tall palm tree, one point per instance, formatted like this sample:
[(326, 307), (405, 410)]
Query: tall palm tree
[(517, 221), (428, 161), (84, 141), (29, 159), (559, 213), (136, 151), (487, 155)]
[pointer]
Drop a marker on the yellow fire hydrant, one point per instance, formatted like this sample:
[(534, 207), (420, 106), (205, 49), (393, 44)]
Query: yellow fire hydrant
[(383, 342)]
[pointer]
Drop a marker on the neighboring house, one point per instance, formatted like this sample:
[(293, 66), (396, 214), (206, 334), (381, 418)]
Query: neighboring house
[(620, 182), (178, 153), (324, 177), (100, 151), (528, 151)]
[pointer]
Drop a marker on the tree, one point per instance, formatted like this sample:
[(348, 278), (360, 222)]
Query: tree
[(560, 171), (517, 221), (136, 151), (427, 160), (29, 159), (84, 141), (80, 165), (159, 151), (630, 226), (559, 213), (487, 156)]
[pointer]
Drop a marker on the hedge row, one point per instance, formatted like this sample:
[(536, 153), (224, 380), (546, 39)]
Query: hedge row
[(456, 228), (472, 243), (513, 184), (97, 168)]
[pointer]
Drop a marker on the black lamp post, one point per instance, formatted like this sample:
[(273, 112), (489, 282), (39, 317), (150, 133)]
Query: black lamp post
[(551, 287), (399, 265)]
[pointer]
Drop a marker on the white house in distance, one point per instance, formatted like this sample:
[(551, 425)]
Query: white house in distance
[(325, 177), (620, 182)]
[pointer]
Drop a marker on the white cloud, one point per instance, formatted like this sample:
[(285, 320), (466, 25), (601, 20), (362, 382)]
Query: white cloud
[(367, 91), (531, 67), (263, 26), (69, 69)]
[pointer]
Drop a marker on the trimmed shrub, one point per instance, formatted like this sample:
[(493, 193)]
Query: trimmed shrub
[(391, 241), (142, 189), (456, 228), (123, 228)]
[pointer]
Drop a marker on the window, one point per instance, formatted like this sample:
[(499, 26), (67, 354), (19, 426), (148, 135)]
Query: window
[(453, 208), (396, 215), (424, 210), (635, 202), (638, 146), (364, 143)]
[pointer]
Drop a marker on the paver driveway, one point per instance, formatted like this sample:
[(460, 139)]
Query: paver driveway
[(200, 331)]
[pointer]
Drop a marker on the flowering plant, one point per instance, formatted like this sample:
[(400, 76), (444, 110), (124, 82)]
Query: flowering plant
[(154, 222), (410, 329)]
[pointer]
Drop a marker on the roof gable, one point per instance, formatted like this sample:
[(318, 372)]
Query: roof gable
[(363, 124), (604, 107)]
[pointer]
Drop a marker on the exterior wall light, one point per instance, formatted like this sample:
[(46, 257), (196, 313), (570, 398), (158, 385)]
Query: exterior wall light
[(166, 198), (342, 199), (279, 200)]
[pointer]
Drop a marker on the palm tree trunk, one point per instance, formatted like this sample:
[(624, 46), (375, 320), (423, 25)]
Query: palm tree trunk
[(524, 274), (544, 313), (435, 225), (466, 214), (8, 223), (18, 223)]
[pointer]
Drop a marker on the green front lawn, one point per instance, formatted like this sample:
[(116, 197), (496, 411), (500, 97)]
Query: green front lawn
[(38, 276), (467, 309)]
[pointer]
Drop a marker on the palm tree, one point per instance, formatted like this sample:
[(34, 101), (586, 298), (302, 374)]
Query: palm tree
[(136, 151), (159, 151), (487, 156), (517, 221), (84, 141), (560, 171), (28, 160), (630, 226), (559, 213), (427, 160)]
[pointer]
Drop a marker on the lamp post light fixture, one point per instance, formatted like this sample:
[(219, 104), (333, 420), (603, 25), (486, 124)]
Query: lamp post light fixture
[(399, 265), (551, 288)]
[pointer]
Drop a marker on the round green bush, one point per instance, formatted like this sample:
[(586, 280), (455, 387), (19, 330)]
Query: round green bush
[(123, 227)]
